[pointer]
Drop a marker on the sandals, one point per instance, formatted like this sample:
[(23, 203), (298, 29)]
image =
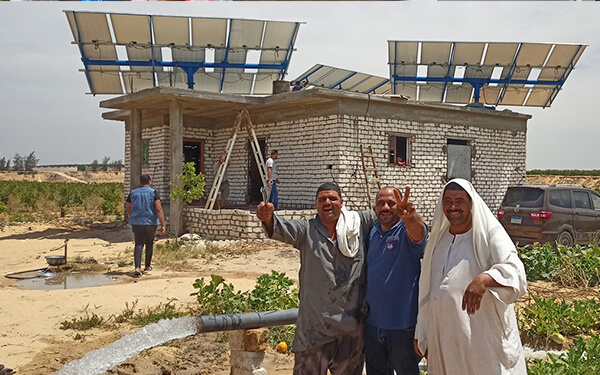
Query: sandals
[(148, 269), (6, 371), (138, 272)]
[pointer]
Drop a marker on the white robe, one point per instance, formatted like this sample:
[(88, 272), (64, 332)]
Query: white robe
[(487, 342)]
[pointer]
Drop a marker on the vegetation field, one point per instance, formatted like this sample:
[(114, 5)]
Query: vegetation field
[(25, 201)]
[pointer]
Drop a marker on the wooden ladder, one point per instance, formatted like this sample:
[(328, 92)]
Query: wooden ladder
[(241, 118), (371, 175)]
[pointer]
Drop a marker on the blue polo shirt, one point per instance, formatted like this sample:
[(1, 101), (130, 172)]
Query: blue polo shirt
[(394, 266)]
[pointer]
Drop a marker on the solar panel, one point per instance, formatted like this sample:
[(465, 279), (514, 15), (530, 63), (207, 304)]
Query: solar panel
[(125, 53), (491, 73), (342, 79)]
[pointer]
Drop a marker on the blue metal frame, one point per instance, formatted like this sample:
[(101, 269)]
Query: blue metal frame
[(372, 91), (479, 83), (226, 56), (513, 65), (339, 83), (288, 56), (185, 65), (190, 68), (343, 80)]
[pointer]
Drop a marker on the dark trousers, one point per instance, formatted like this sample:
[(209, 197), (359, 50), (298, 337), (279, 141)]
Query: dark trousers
[(343, 356), (143, 235), (389, 350)]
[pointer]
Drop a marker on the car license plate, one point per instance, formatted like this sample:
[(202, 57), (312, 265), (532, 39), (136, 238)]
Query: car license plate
[(516, 220)]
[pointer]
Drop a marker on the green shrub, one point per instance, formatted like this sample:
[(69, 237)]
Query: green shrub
[(582, 359), (576, 266), (544, 318), (192, 185)]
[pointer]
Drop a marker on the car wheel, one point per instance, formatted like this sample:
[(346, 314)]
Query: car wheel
[(565, 239)]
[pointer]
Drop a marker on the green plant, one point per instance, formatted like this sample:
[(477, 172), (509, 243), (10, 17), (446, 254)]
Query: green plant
[(192, 185), (83, 323), (217, 297), (577, 266), (154, 314), (545, 318), (540, 261), (272, 292), (582, 359)]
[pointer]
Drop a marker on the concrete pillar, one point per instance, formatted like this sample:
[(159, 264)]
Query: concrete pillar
[(176, 130), (135, 153), (280, 87), (247, 351)]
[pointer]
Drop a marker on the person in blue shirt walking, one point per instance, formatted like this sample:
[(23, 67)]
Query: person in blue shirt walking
[(145, 212), (396, 247)]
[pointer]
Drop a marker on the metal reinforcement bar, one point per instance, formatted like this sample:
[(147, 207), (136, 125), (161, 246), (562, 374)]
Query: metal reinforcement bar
[(235, 322)]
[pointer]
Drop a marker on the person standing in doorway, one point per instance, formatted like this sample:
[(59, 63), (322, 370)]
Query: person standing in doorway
[(145, 212), (273, 177)]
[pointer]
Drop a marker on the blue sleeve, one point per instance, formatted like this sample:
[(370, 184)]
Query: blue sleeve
[(418, 248)]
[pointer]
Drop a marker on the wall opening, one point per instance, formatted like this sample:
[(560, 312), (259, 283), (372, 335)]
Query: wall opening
[(193, 152), (459, 159), (399, 150)]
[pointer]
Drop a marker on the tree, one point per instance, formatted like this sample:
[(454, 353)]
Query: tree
[(117, 165), (18, 163), (192, 185), (4, 164), (105, 161), (95, 165), (31, 161)]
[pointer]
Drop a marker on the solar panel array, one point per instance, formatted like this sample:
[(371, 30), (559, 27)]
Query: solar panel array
[(516, 74), (125, 53), (342, 79)]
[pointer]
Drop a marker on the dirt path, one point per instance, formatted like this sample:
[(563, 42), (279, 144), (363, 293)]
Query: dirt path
[(30, 336)]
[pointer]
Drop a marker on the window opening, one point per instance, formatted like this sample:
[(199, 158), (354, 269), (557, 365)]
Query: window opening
[(399, 151)]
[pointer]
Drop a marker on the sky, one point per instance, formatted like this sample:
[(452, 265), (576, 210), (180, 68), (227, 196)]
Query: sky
[(45, 108)]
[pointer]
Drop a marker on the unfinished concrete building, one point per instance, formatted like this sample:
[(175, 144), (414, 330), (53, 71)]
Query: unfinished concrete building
[(318, 133)]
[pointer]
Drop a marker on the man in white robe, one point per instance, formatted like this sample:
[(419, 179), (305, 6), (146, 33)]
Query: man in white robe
[(471, 275)]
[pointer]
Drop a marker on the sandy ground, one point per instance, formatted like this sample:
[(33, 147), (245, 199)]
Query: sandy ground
[(30, 336)]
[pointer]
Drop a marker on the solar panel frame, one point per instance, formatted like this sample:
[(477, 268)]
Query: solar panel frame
[(144, 36), (343, 79), (518, 83)]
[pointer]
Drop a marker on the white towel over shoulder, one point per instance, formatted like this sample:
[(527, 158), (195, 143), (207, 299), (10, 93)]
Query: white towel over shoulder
[(348, 232)]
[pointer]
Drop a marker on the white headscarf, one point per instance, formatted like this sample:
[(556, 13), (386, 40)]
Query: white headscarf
[(491, 243)]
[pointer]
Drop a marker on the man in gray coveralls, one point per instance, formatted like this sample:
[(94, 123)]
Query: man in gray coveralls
[(332, 283)]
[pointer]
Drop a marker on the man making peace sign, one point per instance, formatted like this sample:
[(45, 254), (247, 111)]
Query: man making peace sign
[(396, 246)]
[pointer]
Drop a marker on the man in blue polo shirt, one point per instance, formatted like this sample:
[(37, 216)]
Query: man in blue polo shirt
[(396, 247)]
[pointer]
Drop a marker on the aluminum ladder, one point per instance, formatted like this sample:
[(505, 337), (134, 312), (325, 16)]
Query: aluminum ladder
[(242, 118)]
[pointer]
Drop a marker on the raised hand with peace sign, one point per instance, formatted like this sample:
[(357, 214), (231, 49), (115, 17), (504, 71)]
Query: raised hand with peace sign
[(391, 208)]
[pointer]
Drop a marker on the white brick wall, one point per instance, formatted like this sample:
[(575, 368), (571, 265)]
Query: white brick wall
[(307, 145)]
